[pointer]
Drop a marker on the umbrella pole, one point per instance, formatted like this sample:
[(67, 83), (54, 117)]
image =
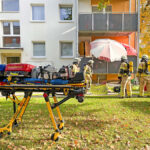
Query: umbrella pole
[(107, 67)]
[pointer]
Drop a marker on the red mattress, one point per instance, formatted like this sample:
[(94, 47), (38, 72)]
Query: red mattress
[(19, 67)]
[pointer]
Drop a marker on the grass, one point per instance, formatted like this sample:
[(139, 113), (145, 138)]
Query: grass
[(99, 89), (98, 123)]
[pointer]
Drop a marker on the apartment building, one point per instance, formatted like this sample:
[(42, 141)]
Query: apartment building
[(38, 31), (118, 21), (56, 31)]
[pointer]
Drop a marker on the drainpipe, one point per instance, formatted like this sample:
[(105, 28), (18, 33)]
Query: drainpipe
[(0, 5), (129, 40), (77, 30), (138, 33), (129, 13), (130, 6)]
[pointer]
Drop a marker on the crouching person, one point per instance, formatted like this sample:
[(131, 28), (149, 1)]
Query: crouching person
[(125, 76)]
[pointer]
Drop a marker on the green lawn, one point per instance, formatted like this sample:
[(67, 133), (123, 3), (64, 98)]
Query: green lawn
[(98, 123)]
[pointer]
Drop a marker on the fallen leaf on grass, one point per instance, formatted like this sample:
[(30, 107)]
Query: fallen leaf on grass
[(71, 145), (85, 148), (23, 147), (9, 147), (128, 143), (147, 147), (59, 148), (112, 146), (124, 125), (76, 142), (117, 137)]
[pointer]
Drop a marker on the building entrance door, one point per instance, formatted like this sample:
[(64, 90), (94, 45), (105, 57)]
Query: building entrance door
[(13, 60)]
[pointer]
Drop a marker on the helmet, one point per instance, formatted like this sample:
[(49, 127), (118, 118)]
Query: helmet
[(90, 62), (145, 57), (123, 58), (77, 60)]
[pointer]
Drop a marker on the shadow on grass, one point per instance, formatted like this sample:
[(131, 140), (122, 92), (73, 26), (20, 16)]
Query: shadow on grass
[(87, 124), (73, 114), (142, 106), (66, 109)]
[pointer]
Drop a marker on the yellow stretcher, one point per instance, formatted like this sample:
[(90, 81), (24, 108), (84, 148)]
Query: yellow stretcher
[(70, 91)]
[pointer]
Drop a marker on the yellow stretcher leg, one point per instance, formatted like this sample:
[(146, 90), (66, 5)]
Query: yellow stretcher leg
[(24, 107), (10, 125), (61, 125), (14, 99), (54, 136)]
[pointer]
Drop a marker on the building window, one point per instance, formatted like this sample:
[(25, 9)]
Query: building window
[(11, 41), (38, 13), (11, 34), (11, 28), (13, 60), (39, 49), (16, 28), (10, 5), (6, 27), (65, 12), (66, 49)]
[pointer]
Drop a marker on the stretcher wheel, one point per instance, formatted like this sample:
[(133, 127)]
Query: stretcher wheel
[(61, 126), (55, 136), (9, 133), (117, 89), (80, 99), (3, 93), (15, 124), (1, 134)]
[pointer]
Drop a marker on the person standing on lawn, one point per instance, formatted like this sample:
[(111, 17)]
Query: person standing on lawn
[(143, 75), (125, 77), (75, 66), (88, 73)]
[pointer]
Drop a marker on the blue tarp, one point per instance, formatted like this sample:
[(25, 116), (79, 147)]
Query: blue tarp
[(2, 67), (34, 80), (59, 82)]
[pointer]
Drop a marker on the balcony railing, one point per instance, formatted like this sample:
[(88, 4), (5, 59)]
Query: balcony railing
[(95, 22)]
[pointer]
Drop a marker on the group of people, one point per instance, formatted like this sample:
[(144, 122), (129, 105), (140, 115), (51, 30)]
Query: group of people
[(125, 72), (87, 70), (143, 75)]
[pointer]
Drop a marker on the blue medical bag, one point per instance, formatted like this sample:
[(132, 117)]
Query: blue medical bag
[(2, 67), (59, 82), (35, 81)]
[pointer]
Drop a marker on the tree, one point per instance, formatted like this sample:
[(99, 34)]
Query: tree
[(145, 28), (103, 4)]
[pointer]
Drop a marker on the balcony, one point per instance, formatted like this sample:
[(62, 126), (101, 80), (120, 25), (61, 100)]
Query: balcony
[(108, 22)]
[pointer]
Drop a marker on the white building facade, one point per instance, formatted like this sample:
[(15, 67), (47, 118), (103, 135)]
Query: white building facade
[(54, 32), (38, 32)]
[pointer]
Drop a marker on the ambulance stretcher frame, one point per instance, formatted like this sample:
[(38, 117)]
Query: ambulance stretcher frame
[(70, 91)]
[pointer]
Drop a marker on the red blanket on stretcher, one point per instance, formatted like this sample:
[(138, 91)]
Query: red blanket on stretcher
[(19, 67)]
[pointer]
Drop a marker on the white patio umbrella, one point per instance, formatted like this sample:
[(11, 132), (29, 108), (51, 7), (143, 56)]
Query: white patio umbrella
[(108, 50)]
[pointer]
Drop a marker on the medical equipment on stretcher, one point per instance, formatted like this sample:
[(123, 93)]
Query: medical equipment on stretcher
[(16, 78)]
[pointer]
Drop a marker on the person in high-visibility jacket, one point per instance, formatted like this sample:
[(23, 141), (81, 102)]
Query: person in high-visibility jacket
[(143, 75), (75, 66), (125, 77), (88, 73)]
